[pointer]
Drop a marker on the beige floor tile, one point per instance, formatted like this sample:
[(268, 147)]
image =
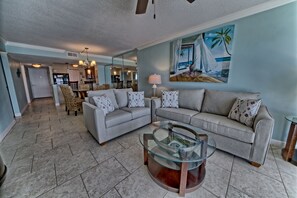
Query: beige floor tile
[(104, 177), (47, 147)]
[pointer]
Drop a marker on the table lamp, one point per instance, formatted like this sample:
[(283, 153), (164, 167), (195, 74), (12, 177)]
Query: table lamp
[(154, 80)]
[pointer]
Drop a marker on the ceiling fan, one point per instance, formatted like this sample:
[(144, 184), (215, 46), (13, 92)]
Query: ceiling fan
[(142, 5)]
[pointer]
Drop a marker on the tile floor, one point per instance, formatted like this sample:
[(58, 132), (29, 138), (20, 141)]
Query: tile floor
[(51, 154)]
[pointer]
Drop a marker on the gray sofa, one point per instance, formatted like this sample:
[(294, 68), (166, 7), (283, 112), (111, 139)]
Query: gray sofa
[(122, 120), (209, 109)]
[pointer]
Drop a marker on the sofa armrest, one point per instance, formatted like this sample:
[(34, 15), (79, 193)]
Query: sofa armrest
[(94, 119), (148, 102), (263, 127), (156, 103)]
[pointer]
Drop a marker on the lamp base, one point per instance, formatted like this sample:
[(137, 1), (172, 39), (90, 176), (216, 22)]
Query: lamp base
[(154, 92)]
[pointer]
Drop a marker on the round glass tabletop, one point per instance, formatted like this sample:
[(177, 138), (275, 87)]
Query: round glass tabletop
[(178, 142), (292, 118)]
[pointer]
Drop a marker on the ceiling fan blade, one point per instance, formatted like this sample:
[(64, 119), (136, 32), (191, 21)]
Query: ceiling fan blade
[(190, 1), (141, 6)]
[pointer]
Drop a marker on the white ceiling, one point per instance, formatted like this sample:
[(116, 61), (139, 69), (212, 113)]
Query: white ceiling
[(107, 27)]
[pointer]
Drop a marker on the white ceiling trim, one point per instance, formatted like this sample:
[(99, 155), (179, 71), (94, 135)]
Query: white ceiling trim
[(49, 49), (100, 58), (35, 47), (219, 21)]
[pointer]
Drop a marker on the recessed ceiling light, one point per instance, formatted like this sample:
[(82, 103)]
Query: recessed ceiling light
[(36, 65)]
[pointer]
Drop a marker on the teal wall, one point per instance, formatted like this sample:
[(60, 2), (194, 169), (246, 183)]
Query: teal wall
[(101, 74), (2, 45), (18, 84), (264, 60), (10, 84), (6, 112)]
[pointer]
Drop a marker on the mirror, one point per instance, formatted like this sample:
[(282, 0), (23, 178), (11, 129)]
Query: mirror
[(123, 71)]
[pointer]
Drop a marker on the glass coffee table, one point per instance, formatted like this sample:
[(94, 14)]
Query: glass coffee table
[(175, 154)]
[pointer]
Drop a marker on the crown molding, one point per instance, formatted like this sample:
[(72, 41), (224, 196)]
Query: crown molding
[(99, 56), (222, 20), (55, 50), (35, 47), (49, 49)]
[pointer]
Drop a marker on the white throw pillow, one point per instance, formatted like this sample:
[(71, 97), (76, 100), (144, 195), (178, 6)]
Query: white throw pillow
[(136, 99), (104, 103), (170, 99), (245, 111)]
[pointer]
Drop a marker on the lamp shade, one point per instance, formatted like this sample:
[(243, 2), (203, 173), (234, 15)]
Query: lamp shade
[(155, 79)]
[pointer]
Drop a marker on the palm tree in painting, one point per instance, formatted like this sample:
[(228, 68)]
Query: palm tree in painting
[(222, 37)]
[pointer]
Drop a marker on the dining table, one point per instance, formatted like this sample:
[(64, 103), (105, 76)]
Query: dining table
[(82, 93)]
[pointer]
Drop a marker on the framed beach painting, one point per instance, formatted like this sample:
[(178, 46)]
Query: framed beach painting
[(203, 57)]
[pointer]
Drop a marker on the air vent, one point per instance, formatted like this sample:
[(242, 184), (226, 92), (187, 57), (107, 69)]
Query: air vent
[(72, 54)]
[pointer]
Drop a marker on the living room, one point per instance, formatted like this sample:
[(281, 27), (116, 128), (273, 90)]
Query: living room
[(263, 61)]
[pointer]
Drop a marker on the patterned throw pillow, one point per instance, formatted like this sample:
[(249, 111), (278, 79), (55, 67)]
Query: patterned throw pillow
[(136, 99), (169, 99), (245, 111), (104, 103)]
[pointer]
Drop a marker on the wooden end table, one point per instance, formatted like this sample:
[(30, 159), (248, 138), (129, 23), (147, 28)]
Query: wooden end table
[(288, 153)]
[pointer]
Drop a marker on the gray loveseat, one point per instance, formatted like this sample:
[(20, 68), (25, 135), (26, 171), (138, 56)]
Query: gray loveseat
[(209, 109), (122, 120)]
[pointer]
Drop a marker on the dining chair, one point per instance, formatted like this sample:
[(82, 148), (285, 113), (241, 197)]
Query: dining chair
[(72, 103), (73, 84)]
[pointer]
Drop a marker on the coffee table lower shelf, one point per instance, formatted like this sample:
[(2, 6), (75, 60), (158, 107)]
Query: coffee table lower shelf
[(181, 181)]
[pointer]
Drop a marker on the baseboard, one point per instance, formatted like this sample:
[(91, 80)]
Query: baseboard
[(17, 114), (278, 143), (6, 131), (24, 109)]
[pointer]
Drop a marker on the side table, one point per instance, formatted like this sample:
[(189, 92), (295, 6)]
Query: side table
[(289, 150)]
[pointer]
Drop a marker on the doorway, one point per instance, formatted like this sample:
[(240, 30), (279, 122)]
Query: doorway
[(40, 83)]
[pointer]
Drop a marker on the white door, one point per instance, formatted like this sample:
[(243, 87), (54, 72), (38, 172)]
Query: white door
[(40, 84)]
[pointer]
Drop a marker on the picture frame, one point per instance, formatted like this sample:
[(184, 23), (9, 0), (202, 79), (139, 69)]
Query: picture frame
[(203, 57)]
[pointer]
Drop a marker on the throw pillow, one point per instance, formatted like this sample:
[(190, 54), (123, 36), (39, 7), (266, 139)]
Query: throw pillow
[(104, 103), (170, 99), (135, 99), (245, 111)]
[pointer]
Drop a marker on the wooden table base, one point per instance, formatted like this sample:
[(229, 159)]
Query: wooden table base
[(289, 150), (178, 179), (181, 181)]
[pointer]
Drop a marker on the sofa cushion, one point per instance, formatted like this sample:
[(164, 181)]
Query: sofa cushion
[(223, 126), (136, 99), (221, 102), (138, 112), (117, 117), (104, 103), (122, 96), (245, 111), (109, 93), (180, 114), (191, 99), (169, 99)]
